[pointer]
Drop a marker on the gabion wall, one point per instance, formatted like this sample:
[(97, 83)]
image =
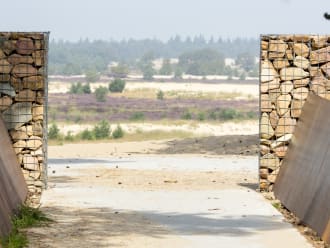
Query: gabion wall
[(291, 67), (23, 103)]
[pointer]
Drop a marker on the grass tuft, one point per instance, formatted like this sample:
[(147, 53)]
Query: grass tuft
[(25, 218)]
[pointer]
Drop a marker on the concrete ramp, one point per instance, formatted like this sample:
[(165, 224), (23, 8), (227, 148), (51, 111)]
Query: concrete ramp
[(13, 188)]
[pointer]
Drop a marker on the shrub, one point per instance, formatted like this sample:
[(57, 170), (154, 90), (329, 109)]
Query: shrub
[(160, 95), (213, 115), (201, 116), (137, 116), (252, 115), (69, 136), (53, 132), (80, 89), (87, 135), (118, 132), (230, 114), (102, 130), (101, 93), (117, 85), (186, 115), (86, 89)]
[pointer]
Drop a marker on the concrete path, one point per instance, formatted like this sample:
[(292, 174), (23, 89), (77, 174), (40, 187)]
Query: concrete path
[(228, 213)]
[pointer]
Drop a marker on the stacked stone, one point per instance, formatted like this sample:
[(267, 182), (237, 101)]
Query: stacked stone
[(22, 101), (291, 68)]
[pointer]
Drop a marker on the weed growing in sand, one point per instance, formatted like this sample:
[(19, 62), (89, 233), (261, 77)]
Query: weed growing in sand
[(25, 218)]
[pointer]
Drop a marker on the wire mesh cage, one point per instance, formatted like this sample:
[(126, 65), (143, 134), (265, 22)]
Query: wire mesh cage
[(291, 68), (23, 102)]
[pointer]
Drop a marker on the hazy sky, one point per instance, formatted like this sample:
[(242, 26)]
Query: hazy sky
[(106, 19)]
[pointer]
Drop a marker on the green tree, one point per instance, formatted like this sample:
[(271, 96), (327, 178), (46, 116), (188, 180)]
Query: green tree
[(101, 94), (53, 132), (86, 89), (117, 85), (166, 68), (102, 130), (92, 76), (121, 71), (160, 95), (148, 72), (202, 62), (246, 61), (118, 132)]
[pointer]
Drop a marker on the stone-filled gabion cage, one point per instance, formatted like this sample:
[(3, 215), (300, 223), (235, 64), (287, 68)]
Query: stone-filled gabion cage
[(291, 67), (23, 103)]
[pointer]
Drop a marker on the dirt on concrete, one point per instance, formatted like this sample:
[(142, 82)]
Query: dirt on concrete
[(246, 145)]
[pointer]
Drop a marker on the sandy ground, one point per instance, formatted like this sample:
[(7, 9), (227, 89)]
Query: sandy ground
[(244, 89), (202, 129), (159, 201)]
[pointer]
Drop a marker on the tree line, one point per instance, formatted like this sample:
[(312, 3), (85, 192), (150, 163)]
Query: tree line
[(196, 55)]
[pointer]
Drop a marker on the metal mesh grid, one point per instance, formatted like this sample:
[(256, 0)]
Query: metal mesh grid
[(23, 102), (291, 67)]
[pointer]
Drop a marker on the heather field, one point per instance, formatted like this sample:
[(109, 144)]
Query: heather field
[(75, 108)]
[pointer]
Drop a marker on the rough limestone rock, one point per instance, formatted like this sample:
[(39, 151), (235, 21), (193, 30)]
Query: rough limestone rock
[(267, 86), (264, 149), (4, 78), (293, 73), (301, 82), (24, 70), (280, 63), (264, 45), (296, 106), (5, 66), (277, 48), (301, 49), (263, 173), (286, 87), (2, 54), (269, 161), (320, 56), (289, 54), (5, 102), (34, 142), (326, 69), (282, 104), (9, 46), (280, 151), (319, 41), (272, 177), (16, 59), (301, 62), (274, 94), (18, 135), (25, 46), (17, 115), (26, 96), (319, 89), (285, 139), (33, 82), (37, 112), (37, 129), (19, 146), (265, 103), (285, 125), (300, 93), (266, 129), (268, 72), (273, 117), (38, 58), (7, 89), (30, 163)]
